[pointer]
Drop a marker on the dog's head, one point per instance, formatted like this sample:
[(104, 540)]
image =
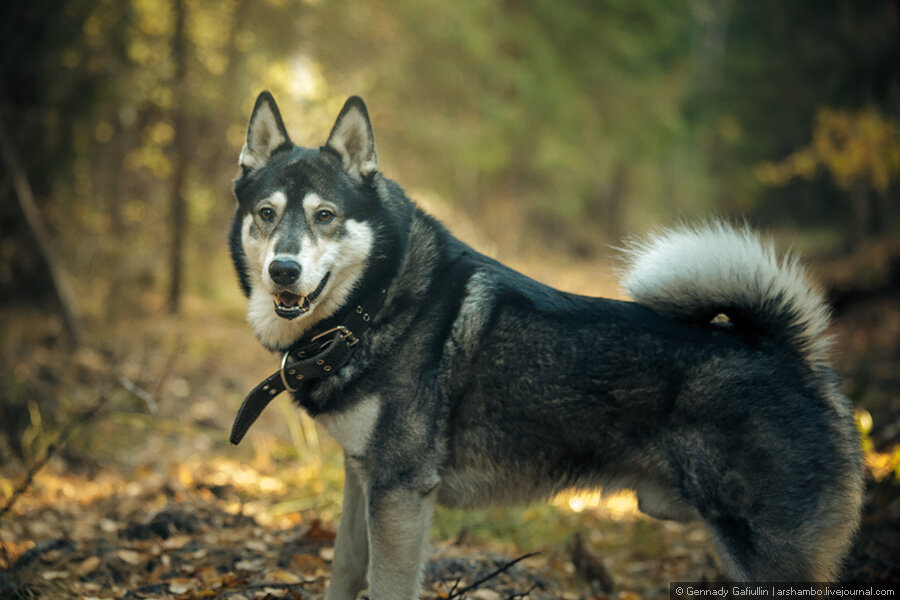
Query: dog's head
[(305, 225)]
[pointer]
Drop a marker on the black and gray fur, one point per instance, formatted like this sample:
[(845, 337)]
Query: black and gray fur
[(478, 386)]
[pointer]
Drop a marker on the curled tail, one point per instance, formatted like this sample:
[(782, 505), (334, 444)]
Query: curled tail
[(696, 273)]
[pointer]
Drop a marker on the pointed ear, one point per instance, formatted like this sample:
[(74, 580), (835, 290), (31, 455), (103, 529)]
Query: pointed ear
[(352, 138), (265, 133)]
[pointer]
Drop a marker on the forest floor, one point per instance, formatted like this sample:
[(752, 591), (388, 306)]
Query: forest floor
[(142, 497)]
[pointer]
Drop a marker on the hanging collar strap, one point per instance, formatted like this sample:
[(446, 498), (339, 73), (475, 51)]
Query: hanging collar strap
[(321, 356)]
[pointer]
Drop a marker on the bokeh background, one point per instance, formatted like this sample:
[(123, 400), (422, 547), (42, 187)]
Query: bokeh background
[(541, 131)]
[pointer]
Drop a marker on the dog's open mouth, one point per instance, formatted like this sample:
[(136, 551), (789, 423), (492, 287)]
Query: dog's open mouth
[(289, 305)]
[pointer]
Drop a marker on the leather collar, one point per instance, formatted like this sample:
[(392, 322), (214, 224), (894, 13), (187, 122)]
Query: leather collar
[(319, 356)]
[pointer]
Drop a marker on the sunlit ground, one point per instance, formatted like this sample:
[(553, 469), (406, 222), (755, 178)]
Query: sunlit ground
[(197, 368)]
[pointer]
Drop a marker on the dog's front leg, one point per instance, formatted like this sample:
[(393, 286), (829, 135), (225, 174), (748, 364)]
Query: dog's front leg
[(399, 520), (351, 550)]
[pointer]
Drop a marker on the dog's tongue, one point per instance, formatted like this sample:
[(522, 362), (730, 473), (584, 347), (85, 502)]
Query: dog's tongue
[(287, 298)]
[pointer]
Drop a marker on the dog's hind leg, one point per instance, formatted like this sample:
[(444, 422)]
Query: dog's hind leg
[(810, 552), (798, 531), (798, 541), (790, 521), (351, 550)]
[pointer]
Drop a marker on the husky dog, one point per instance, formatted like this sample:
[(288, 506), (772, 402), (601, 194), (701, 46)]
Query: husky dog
[(447, 377)]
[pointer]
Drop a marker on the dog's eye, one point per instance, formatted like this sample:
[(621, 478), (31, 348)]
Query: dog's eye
[(266, 214), (324, 216)]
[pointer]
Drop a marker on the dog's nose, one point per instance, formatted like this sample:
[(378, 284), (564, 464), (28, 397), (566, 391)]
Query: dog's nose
[(284, 271)]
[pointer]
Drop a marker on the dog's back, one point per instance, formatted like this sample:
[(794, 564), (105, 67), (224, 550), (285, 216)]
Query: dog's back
[(738, 423)]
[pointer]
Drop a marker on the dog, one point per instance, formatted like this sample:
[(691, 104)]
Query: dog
[(447, 377)]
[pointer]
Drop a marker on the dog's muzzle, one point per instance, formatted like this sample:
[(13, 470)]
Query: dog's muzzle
[(289, 305)]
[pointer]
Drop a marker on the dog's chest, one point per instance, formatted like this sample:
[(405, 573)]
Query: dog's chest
[(352, 427)]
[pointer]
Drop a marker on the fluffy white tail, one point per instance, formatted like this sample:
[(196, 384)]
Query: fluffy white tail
[(695, 273)]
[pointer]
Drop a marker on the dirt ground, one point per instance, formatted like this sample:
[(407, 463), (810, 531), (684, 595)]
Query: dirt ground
[(145, 498)]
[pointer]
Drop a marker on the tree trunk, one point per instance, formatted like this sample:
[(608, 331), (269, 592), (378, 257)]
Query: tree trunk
[(38, 230), (180, 160), (860, 226), (609, 205)]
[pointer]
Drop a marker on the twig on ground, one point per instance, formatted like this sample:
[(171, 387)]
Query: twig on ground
[(489, 576), (167, 367), (141, 393), (261, 586), (521, 595), (454, 586)]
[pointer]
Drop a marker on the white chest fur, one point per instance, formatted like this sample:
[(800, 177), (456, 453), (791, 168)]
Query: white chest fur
[(352, 428)]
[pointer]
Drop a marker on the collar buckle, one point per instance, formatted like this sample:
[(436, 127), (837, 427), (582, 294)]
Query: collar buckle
[(284, 379), (346, 334)]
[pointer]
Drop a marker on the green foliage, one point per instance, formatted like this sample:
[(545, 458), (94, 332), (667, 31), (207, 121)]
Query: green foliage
[(537, 100), (590, 119)]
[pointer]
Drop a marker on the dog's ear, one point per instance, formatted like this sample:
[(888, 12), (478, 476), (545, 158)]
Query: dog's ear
[(352, 138), (265, 133)]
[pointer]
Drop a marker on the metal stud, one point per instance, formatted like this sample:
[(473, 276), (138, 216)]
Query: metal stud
[(273, 392), (327, 368), (299, 376), (359, 309), (320, 362), (292, 371), (366, 317)]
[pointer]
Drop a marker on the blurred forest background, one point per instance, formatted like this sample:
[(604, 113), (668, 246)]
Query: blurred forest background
[(541, 131)]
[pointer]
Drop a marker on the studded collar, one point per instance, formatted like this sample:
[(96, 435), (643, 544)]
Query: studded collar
[(322, 355)]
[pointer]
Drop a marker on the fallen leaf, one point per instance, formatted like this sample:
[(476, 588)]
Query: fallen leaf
[(485, 594), (180, 586), (131, 557), (176, 542), (308, 564), (108, 525), (320, 532), (88, 565), (256, 545), (249, 565), (207, 574), (282, 576)]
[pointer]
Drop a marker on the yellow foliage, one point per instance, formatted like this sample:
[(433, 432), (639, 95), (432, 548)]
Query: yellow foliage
[(245, 40), (70, 57), (162, 97), (152, 157), (235, 135), (93, 27), (279, 74), (860, 148), (863, 420), (206, 33), (881, 465), (152, 17), (103, 132), (160, 133)]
